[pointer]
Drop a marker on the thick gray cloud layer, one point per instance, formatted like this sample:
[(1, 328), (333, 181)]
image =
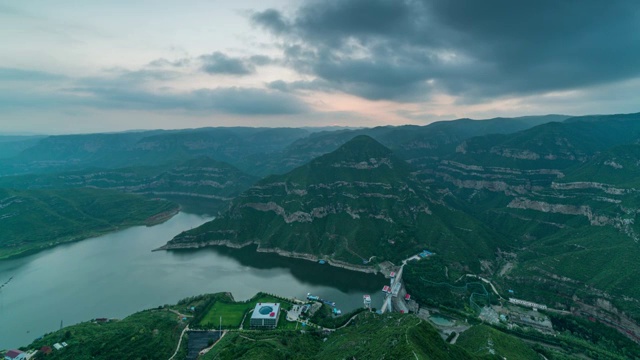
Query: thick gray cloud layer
[(121, 91), (219, 63), (407, 49)]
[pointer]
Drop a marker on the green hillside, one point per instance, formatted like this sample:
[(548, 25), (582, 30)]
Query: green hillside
[(199, 184), (618, 166), (145, 148), (487, 342), (565, 196), (32, 220), (154, 334), (370, 336), (356, 204), (149, 334)]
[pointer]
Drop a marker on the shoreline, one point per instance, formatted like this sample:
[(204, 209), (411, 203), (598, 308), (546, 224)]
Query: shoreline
[(150, 221), (280, 252), (162, 217)]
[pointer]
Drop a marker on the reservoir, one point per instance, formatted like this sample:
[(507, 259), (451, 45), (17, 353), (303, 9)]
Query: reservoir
[(117, 274)]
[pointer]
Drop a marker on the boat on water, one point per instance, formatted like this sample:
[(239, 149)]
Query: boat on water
[(367, 300), (330, 303), (318, 298)]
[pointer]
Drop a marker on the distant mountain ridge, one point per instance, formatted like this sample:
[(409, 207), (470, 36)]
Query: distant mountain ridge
[(199, 179), (146, 148), (257, 151)]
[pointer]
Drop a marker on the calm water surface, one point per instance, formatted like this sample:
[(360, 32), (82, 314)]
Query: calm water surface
[(117, 274)]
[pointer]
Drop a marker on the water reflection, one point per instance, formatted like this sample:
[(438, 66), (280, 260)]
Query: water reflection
[(117, 274), (306, 272)]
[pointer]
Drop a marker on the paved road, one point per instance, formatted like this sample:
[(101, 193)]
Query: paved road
[(179, 342)]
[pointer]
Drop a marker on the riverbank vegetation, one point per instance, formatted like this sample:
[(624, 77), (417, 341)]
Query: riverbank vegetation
[(149, 334), (32, 220), (155, 333), (325, 317)]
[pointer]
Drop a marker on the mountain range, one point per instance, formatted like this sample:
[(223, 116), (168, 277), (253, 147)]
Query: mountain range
[(353, 205), (548, 212), (544, 206)]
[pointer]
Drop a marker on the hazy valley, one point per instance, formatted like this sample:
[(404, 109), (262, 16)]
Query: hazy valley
[(542, 208)]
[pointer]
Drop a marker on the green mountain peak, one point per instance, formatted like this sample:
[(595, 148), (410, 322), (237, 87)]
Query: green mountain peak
[(355, 204)]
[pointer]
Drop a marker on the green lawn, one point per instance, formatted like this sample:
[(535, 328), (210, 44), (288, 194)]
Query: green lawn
[(233, 313)]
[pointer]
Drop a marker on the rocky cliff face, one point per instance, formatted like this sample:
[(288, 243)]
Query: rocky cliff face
[(357, 204), (567, 196)]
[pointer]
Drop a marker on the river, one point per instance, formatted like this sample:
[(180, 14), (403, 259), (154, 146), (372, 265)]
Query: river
[(116, 275)]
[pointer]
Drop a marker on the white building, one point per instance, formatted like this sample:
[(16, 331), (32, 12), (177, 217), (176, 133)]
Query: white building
[(265, 315)]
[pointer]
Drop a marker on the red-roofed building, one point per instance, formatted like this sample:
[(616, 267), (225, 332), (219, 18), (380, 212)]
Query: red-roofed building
[(46, 350), (15, 355), (407, 297)]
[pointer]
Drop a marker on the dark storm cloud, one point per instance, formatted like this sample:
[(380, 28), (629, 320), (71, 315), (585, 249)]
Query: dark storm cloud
[(271, 19), (261, 60), (406, 49), (219, 63)]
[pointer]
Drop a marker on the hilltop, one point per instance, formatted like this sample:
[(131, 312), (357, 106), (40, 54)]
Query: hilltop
[(357, 204)]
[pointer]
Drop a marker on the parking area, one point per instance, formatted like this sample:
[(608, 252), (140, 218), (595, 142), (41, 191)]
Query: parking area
[(294, 313)]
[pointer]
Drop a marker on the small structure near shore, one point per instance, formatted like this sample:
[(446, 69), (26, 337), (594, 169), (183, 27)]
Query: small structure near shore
[(265, 316), (530, 304), (15, 355)]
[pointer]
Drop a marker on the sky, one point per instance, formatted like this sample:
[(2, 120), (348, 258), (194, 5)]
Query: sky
[(94, 66)]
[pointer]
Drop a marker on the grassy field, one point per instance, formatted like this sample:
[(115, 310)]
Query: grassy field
[(233, 313), (230, 313)]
